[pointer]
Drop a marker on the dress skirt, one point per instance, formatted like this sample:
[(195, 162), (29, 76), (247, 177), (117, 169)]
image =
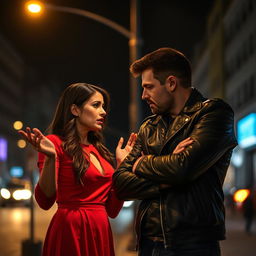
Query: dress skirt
[(79, 231)]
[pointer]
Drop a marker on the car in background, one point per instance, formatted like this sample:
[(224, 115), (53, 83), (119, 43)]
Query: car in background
[(15, 192)]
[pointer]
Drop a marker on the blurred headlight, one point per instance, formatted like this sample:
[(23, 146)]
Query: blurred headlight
[(21, 194), (128, 204), (5, 193)]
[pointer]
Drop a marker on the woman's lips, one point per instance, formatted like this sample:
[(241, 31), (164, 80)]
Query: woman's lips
[(100, 121)]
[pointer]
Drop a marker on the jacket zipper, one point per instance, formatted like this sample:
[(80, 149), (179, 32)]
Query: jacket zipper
[(138, 225), (161, 221)]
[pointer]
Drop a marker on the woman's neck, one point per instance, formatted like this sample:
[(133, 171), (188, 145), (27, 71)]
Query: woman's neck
[(83, 134), (84, 140)]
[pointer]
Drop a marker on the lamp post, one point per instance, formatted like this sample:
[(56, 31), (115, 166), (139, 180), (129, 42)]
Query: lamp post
[(134, 45)]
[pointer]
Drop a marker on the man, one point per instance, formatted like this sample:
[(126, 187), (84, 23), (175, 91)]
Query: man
[(179, 162)]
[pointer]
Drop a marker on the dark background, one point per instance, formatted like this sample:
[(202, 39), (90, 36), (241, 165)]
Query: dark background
[(66, 48)]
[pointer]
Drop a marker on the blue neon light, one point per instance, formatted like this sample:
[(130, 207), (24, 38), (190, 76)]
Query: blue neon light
[(246, 131), (16, 171)]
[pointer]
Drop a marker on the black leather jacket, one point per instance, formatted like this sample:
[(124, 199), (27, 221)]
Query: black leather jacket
[(191, 209)]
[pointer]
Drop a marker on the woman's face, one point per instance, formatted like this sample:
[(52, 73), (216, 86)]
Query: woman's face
[(91, 115)]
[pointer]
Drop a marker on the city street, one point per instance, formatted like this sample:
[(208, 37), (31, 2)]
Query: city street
[(238, 243), (181, 74), (14, 224)]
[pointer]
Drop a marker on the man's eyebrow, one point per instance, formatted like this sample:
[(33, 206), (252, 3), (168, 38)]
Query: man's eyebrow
[(146, 84)]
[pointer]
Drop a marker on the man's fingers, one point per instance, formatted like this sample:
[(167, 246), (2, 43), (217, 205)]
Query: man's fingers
[(185, 143), (178, 150), (182, 145), (186, 140)]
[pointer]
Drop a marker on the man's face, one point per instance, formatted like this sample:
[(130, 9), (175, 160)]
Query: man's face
[(158, 97)]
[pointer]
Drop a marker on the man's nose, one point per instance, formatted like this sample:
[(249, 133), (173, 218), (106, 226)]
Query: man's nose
[(144, 95)]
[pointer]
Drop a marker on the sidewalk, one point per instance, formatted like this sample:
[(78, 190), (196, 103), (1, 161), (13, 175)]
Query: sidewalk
[(122, 244), (238, 243)]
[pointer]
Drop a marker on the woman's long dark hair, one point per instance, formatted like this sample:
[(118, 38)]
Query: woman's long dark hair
[(64, 125)]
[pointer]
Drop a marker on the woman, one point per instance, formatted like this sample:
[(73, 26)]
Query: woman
[(76, 172)]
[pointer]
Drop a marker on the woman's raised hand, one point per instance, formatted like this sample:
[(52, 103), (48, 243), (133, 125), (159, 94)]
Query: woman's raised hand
[(121, 153), (39, 142)]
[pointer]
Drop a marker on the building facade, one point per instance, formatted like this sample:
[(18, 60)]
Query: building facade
[(11, 106), (240, 63), (231, 75)]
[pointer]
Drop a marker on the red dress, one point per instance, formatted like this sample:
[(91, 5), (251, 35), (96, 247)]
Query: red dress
[(80, 227)]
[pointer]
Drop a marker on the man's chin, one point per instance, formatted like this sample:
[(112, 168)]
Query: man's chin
[(154, 111)]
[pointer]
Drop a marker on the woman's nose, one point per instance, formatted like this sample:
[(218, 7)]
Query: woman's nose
[(103, 112)]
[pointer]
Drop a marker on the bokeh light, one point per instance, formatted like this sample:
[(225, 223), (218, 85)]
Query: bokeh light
[(17, 125), (21, 143)]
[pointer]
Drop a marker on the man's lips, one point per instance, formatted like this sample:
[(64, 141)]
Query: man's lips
[(150, 103)]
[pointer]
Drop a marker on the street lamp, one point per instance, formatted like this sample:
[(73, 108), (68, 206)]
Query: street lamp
[(34, 7), (134, 45)]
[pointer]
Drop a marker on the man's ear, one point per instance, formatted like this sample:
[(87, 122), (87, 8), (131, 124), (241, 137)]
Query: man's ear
[(172, 83), (75, 110)]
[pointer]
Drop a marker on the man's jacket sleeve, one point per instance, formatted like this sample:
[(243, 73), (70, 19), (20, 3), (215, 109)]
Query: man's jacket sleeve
[(213, 136), (128, 185)]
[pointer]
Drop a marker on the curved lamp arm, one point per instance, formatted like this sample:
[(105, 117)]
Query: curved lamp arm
[(92, 16)]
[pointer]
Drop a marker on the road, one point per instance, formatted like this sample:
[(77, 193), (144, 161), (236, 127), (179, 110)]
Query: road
[(14, 223)]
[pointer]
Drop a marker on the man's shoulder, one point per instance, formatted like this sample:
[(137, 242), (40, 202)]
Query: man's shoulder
[(217, 103), (149, 119)]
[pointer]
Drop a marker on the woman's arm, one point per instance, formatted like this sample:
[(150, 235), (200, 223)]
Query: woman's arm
[(113, 204), (45, 191)]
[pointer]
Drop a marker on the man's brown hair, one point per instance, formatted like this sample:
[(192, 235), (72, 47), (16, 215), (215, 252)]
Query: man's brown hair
[(164, 62)]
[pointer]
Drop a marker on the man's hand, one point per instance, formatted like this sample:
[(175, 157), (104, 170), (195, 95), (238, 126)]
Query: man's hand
[(179, 148), (136, 163), (182, 145)]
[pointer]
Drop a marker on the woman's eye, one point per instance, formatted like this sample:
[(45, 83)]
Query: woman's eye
[(96, 105)]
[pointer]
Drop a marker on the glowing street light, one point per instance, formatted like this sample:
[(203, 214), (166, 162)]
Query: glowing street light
[(34, 7), (134, 45)]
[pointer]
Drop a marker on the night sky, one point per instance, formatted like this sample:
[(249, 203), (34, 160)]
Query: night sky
[(70, 48)]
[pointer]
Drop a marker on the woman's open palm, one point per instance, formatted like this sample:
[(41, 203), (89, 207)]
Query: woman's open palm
[(39, 142), (121, 153)]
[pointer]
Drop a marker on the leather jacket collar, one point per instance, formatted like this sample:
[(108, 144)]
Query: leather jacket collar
[(193, 104)]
